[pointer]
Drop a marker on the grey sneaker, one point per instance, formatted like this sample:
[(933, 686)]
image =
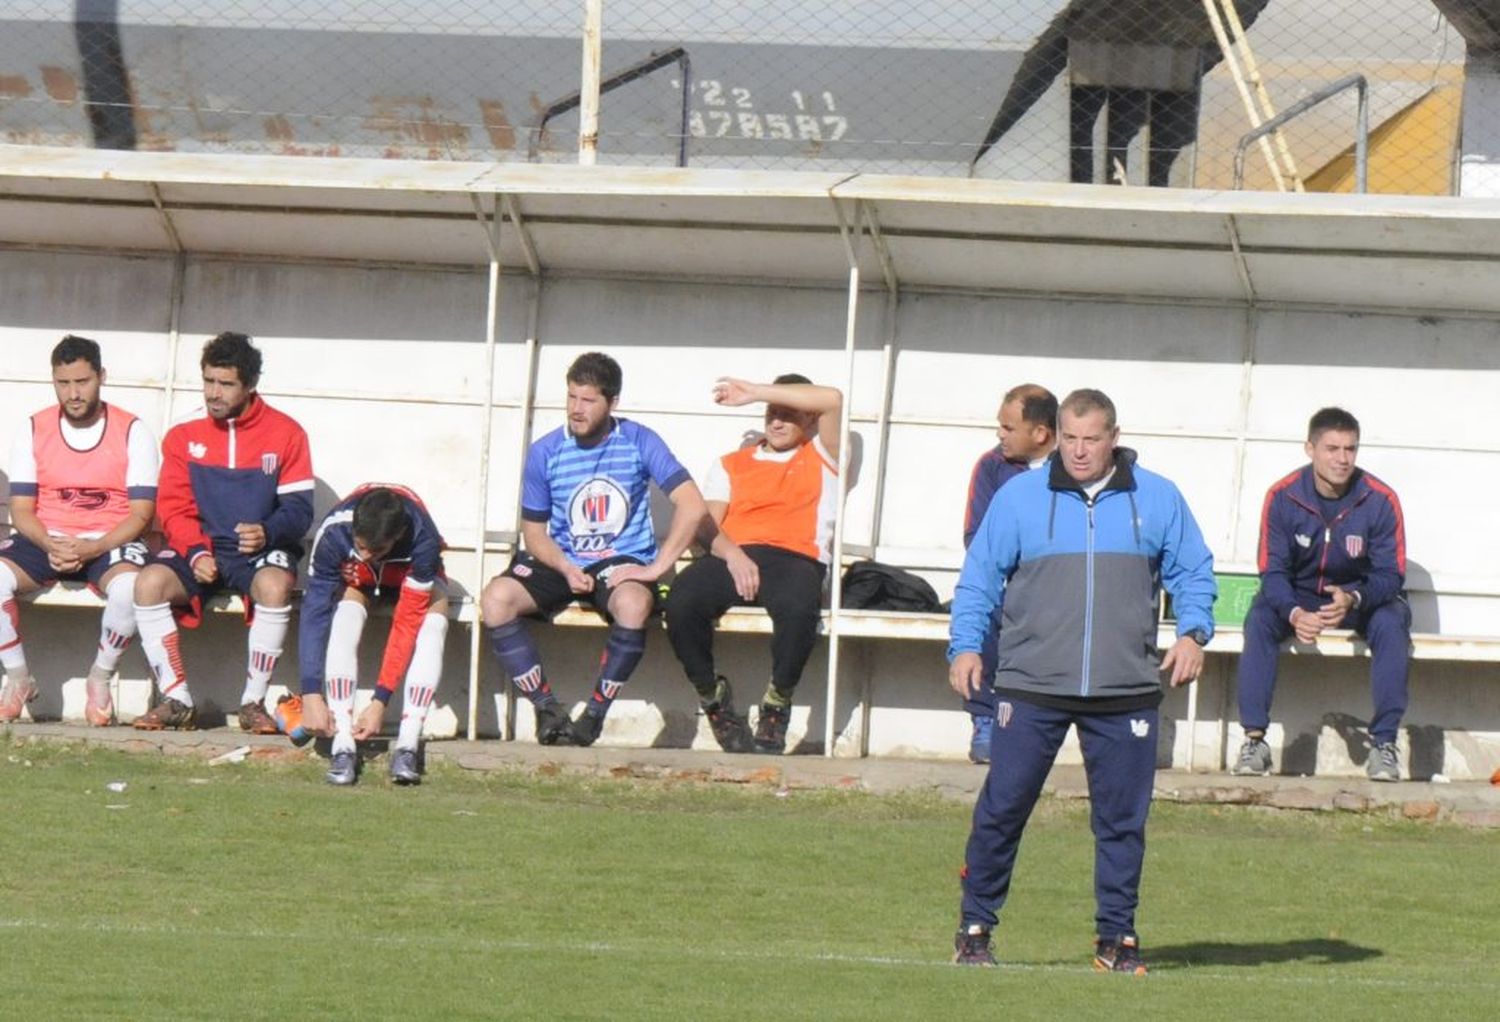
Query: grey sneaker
[(1383, 764), (343, 769), (405, 768), (1255, 759)]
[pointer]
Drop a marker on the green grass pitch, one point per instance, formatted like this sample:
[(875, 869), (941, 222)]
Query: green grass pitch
[(254, 891)]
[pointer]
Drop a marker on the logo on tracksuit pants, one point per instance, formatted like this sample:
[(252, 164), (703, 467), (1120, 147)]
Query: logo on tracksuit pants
[(1003, 712), (1140, 728)]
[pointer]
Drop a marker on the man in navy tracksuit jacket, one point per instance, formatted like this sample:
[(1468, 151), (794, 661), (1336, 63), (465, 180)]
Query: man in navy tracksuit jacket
[(1027, 429), (1332, 555), (1074, 555)]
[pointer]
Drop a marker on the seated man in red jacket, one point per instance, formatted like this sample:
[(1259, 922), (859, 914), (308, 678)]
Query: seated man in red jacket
[(235, 500)]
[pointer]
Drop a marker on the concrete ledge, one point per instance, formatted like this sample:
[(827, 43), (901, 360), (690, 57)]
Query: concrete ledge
[(1469, 803)]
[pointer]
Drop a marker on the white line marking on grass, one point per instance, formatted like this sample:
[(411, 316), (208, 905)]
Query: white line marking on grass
[(1245, 974)]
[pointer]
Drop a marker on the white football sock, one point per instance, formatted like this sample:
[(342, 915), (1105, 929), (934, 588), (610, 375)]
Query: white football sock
[(342, 669), (12, 656), (267, 637), (422, 679), (117, 627), (159, 641)]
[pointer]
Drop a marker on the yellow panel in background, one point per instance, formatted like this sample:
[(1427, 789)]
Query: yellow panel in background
[(1411, 153)]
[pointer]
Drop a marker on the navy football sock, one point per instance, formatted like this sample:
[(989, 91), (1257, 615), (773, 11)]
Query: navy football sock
[(512, 644), (622, 652)]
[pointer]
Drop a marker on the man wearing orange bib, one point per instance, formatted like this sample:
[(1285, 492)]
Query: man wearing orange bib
[(82, 493), (773, 503)]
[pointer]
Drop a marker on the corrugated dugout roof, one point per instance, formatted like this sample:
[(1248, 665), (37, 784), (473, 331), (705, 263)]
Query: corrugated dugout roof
[(1345, 250)]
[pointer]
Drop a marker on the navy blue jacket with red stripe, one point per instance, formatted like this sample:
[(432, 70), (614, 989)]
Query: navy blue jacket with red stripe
[(1303, 555), (414, 564), (991, 472)]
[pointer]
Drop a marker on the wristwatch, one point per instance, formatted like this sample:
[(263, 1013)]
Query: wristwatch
[(1198, 635)]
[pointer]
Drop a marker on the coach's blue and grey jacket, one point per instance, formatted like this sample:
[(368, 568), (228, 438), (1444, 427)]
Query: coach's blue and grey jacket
[(1076, 582)]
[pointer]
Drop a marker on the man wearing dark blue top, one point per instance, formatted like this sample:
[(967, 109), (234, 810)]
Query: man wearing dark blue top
[(586, 525), (1332, 555), (1027, 429), (378, 541), (1073, 556)]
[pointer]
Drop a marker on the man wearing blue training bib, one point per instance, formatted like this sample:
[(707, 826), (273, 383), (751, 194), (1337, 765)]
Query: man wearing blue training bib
[(586, 527)]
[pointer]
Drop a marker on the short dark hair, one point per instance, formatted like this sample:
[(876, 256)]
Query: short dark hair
[(379, 517), (72, 348), (1038, 404), (230, 350), (1331, 418), (791, 378), (596, 369), (1086, 400)]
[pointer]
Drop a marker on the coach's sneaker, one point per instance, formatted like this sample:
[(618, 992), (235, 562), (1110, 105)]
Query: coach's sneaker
[(729, 728), (770, 730), (1383, 764), (971, 946), (1255, 759), (1123, 955), (343, 769), (14, 697), (552, 725), (255, 720), (405, 767), (586, 729), (979, 741), (167, 715), (99, 705)]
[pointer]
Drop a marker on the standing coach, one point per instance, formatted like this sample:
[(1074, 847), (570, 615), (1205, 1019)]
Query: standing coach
[(1073, 557)]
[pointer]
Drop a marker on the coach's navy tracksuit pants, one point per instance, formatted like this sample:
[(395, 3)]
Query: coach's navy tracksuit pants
[(1387, 629), (1119, 755)]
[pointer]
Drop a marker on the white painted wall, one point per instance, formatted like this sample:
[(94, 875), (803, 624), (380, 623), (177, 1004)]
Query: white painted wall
[(372, 360)]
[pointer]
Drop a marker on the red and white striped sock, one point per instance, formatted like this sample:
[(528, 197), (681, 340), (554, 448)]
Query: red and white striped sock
[(267, 637), (12, 655), (117, 626), (159, 641), (422, 680), (341, 665)]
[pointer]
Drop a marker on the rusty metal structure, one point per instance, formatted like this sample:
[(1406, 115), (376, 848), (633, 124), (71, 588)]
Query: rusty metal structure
[(1062, 90)]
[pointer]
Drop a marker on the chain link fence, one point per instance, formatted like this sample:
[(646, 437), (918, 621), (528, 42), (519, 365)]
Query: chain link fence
[(1156, 92)]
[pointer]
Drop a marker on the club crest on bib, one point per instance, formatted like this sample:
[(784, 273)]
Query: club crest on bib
[(597, 513), (84, 498)]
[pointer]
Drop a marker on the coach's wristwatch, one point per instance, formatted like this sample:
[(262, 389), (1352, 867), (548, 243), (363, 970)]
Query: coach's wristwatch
[(1198, 635)]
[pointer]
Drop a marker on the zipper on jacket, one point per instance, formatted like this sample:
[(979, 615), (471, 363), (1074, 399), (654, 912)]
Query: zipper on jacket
[(1328, 540), (1327, 529), (1323, 560), (1088, 594), (231, 444)]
